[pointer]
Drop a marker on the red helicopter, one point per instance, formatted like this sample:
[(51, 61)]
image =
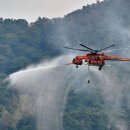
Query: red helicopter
[(95, 57)]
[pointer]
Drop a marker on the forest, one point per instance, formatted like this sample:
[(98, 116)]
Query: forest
[(23, 44)]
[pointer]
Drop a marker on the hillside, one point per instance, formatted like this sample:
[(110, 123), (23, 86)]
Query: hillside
[(23, 44)]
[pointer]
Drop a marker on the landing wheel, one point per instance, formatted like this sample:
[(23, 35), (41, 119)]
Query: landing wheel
[(77, 66), (100, 68), (88, 81)]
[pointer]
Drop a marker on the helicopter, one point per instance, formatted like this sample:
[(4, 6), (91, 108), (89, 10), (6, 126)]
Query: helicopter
[(95, 57)]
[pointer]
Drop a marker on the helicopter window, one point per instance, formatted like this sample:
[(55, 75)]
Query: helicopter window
[(76, 58)]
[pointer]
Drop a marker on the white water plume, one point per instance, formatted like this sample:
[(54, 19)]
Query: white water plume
[(48, 84)]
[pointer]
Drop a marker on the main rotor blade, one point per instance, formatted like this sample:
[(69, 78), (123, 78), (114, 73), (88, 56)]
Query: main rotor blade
[(107, 47), (117, 49), (76, 49), (86, 47)]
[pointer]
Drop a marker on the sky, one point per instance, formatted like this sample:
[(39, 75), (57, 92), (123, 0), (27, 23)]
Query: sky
[(32, 9)]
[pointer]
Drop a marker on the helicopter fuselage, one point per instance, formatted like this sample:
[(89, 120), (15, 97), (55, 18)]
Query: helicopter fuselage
[(93, 59)]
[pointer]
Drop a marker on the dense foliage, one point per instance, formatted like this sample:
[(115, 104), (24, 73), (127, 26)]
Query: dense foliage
[(22, 44)]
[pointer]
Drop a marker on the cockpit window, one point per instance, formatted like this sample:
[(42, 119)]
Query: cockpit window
[(76, 58)]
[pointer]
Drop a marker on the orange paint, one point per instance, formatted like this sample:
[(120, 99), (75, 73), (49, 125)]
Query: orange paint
[(96, 59)]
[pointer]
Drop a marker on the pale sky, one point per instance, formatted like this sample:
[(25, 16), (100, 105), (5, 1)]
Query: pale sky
[(32, 9)]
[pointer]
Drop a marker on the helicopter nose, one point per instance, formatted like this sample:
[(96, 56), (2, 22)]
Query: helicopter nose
[(73, 60)]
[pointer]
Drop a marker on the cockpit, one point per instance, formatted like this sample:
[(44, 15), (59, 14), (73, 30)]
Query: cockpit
[(77, 61)]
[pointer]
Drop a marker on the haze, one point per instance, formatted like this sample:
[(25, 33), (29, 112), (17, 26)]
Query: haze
[(32, 9)]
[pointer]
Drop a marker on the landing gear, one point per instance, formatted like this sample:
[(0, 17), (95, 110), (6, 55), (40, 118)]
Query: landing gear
[(100, 67), (77, 66), (88, 81)]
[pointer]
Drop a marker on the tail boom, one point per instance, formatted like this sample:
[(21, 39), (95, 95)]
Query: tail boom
[(116, 58)]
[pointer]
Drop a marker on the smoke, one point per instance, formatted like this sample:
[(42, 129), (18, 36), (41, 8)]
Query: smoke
[(116, 80), (113, 92)]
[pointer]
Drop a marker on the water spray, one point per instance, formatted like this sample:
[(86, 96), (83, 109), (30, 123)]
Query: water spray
[(46, 85)]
